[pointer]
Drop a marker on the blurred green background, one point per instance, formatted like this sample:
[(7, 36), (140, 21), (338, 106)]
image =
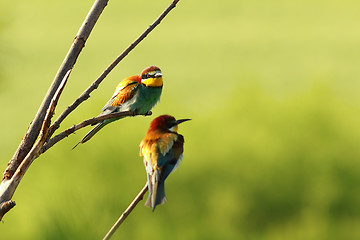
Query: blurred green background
[(273, 91)]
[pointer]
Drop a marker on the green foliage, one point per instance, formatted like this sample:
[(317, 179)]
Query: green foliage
[(271, 153)]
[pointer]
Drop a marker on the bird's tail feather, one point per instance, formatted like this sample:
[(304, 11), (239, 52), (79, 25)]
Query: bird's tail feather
[(91, 133), (156, 191)]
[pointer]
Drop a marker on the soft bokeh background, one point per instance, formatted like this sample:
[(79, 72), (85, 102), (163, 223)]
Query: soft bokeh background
[(273, 91)]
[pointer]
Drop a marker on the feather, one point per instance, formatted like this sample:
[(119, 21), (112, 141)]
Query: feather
[(91, 133)]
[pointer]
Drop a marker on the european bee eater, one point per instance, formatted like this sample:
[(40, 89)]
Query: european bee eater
[(162, 149), (137, 93)]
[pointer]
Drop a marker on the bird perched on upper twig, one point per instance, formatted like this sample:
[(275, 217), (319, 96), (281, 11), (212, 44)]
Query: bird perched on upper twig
[(162, 149), (137, 93)]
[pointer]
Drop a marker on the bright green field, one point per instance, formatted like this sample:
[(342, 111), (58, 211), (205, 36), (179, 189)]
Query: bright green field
[(272, 151)]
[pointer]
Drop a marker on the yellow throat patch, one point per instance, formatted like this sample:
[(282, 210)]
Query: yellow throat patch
[(153, 82)]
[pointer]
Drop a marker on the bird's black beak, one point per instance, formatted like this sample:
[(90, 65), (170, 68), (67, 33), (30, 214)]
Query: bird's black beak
[(181, 121)]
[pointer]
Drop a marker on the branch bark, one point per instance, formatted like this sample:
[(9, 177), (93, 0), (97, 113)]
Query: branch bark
[(126, 213)]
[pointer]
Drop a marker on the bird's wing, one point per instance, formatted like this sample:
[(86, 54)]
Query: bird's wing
[(166, 142), (149, 152), (171, 149), (124, 92)]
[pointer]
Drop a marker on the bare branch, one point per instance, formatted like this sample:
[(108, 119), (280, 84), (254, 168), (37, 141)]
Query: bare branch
[(8, 187), (5, 207), (69, 61), (126, 213), (86, 94), (85, 123)]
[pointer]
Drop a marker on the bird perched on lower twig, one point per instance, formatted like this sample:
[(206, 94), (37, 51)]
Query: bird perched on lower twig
[(162, 149), (138, 94)]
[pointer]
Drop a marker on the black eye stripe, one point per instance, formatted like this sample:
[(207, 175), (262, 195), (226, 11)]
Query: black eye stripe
[(148, 75)]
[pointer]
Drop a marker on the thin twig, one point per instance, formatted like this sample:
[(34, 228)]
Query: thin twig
[(51, 110), (126, 213), (68, 63), (86, 94), (85, 123)]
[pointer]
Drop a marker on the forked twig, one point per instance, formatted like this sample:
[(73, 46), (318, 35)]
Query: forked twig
[(38, 137), (35, 127)]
